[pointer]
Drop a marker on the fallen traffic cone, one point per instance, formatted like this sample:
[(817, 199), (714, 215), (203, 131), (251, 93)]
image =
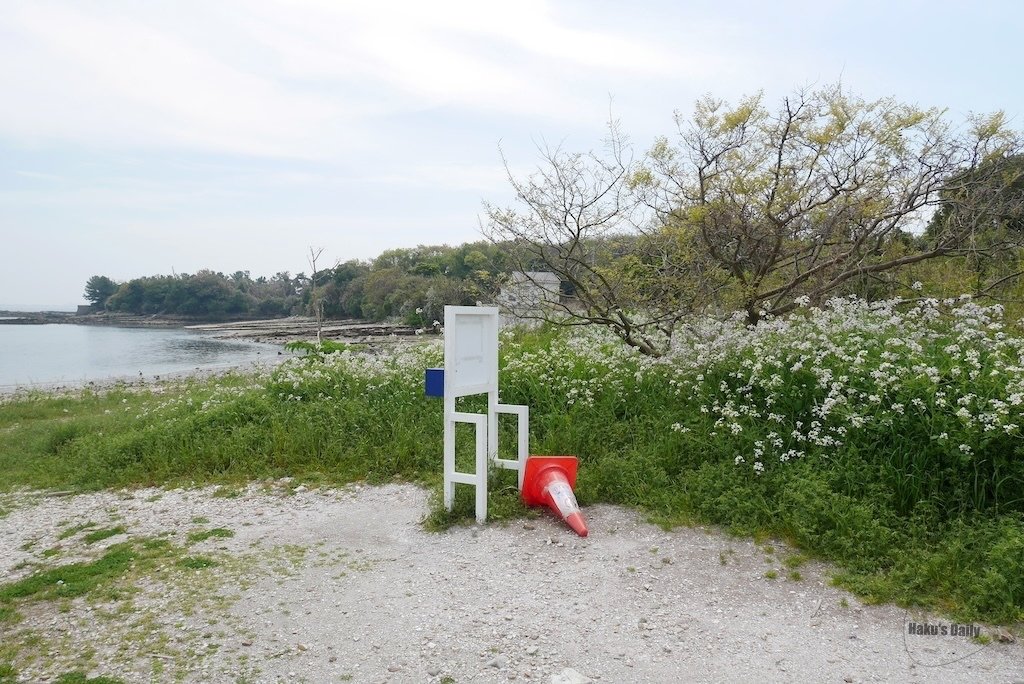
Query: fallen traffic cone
[(548, 481)]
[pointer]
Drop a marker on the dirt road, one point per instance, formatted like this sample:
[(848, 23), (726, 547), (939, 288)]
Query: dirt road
[(345, 585)]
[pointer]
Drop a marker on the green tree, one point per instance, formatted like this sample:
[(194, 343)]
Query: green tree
[(580, 217), (984, 209), (98, 289), (800, 199), (750, 206)]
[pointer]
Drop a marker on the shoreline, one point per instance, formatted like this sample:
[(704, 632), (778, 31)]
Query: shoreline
[(276, 332), (270, 330), (154, 382)]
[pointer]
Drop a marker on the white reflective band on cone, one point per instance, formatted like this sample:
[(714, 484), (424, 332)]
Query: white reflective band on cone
[(561, 493)]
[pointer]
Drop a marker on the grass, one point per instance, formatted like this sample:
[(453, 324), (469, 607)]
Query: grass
[(216, 532), (92, 577), (197, 562), (107, 583), (905, 516), (81, 678), (72, 531), (74, 579), (100, 535)]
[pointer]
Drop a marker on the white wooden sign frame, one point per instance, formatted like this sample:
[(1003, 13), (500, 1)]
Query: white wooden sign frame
[(471, 367)]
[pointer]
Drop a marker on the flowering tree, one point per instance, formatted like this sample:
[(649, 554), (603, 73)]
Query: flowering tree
[(581, 219), (800, 200), (753, 207)]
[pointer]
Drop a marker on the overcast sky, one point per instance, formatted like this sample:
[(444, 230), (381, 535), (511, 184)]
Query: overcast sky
[(139, 138)]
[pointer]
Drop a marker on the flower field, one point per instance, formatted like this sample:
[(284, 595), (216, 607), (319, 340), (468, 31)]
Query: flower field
[(885, 437)]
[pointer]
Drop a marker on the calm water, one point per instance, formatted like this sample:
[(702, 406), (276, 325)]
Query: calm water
[(50, 354)]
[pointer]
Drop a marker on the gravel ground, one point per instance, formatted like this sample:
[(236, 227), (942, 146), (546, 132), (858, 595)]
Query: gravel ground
[(345, 585)]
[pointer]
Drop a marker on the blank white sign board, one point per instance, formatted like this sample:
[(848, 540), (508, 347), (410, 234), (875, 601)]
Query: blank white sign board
[(470, 350)]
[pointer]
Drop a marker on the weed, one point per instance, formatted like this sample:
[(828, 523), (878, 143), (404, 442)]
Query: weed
[(316, 351), (200, 520), (794, 561), (72, 531), (100, 535), (81, 678), (197, 562), (771, 574), (217, 532), (795, 575), (71, 580)]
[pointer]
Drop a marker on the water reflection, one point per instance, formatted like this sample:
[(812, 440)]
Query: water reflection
[(46, 354)]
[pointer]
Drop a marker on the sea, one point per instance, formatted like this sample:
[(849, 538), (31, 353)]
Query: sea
[(58, 354)]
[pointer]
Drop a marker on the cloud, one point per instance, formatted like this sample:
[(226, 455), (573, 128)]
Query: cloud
[(305, 78), (37, 175), (103, 80)]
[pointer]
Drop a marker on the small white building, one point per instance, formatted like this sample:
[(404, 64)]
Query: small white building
[(530, 295)]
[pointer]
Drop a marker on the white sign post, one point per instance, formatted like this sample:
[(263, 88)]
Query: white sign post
[(471, 367)]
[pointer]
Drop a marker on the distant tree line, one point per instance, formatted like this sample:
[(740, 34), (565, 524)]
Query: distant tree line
[(412, 284), (753, 207)]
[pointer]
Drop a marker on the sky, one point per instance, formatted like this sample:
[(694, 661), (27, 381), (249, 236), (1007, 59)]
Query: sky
[(143, 138)]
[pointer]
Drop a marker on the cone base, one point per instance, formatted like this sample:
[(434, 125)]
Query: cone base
[(576, 522)]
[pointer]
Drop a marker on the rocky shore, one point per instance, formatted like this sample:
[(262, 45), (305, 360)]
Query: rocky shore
[(273, 330), (112, 319), (282, 330)]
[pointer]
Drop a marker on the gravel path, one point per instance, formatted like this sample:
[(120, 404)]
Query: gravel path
[(345, 585)]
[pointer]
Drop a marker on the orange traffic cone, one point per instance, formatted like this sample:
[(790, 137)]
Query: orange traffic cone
[(548, 481)]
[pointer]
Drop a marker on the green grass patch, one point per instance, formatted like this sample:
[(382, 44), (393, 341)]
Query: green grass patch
[(71, 580), (197, 562), (8, 675), (8, 614), (82, 678), (503, 504), (106, 533), (794, 561), (216, 532), (72, 531)]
